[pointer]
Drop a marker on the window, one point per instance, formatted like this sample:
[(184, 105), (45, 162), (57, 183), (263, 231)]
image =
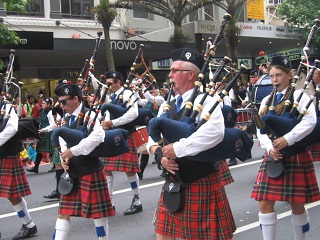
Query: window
[(275, 1), (34, 8), (141, 14), (77, 9), (208, 9), (193, 16)]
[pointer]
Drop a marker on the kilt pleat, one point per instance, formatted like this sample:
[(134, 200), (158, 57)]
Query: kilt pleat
[(44, 144), (127, 162), (206, 214), (13, 180), (90, 199), (225, 173), (315, 152), (55, 157), (298, 185)]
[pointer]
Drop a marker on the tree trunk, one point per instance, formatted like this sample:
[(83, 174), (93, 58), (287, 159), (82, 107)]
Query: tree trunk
[(109, 54)]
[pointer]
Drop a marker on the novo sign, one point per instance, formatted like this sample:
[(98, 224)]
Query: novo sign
[(124, 45), (128, 45)]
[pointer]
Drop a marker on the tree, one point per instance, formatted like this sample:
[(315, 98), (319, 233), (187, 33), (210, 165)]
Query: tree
[(297, 13), (7, 36), (232, 30), (105, 15), (174, 10)]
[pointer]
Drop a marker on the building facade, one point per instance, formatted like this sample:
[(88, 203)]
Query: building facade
[(57, 36)]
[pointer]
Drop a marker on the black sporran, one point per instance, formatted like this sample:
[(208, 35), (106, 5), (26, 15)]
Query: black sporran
[(275, 168), (173, 195), (66, 184)]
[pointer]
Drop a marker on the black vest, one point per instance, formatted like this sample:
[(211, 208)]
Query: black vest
[(11, 148), (82, 165), (191, 170)]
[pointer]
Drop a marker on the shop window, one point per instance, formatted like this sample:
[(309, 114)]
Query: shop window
[(77, 9), (34, 8)]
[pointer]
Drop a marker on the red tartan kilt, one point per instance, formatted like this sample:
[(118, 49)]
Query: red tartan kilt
[(226, 177), (91, 199), (298, 185), (212, 219), (315, 152), (13, 180), (127, 162)]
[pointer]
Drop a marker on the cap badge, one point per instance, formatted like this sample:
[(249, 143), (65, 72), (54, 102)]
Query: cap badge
[(66, 91), (188, 55)]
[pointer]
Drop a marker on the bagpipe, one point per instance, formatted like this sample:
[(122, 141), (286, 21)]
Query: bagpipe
[(236, 143), (278, 125), (118, 109), (11, 91), (115, 141)]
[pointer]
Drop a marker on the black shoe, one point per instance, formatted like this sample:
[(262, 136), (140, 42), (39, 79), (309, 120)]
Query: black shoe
[(232, 162), (133, 209), (162, 174), (53, 195), (32, 169), (53, 169), (25, 232), (140, 175), (154, 162)]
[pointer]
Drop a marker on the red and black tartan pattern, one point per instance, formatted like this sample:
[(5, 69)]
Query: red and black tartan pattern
[(127, 162), (90, 199), (44, 144), (206, 214), (298, 185), (13, 180), (315, 152), (226, 177)]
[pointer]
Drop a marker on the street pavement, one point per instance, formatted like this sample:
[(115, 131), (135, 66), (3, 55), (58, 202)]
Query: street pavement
[(139, 226)]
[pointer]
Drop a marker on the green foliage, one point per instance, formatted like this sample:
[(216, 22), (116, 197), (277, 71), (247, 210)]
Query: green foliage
[(298, 13), (178, 39), (173, 10), (15, 5), (105, 15)]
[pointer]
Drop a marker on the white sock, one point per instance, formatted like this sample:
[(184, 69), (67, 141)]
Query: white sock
[(23, 213), (300, 225), (62, 229), (101, 228), (135, 190), (268, 224), (110, 187)]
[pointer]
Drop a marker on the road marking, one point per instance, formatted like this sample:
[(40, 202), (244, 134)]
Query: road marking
[(279, 216), (239, 230), (119, 192)]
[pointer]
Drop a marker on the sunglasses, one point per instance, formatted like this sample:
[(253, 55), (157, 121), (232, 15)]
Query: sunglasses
[(64, 101)]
